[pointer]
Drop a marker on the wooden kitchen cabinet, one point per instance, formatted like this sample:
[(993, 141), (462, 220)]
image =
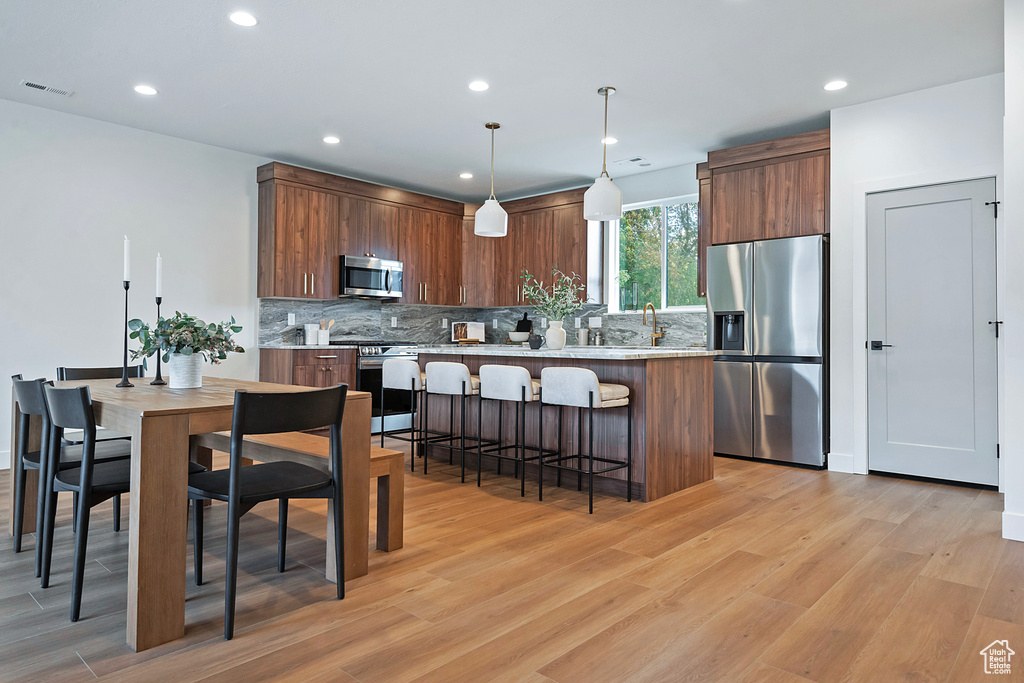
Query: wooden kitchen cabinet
[(765, 190), (431, 249), (299, 233), (478, 262), (319, 368)]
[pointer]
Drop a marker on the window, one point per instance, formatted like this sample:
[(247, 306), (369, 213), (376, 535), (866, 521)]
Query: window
[(654, 256)]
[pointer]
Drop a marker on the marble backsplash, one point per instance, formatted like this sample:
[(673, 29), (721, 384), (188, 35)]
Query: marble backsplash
[(366, 319)]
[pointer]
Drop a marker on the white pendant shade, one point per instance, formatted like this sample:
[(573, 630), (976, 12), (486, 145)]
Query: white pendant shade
[(492, 220), (603, 201)]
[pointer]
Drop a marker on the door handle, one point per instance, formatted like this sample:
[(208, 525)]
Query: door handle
[(997, 323), (878, 346), (304, 288), (312, 285)]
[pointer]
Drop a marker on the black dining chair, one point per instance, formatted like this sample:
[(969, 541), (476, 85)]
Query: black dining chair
[(65, 373), (93, 481), (243, 487), (32, 402)]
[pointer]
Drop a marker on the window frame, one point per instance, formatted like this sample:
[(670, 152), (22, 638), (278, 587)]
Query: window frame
[(613, 255)]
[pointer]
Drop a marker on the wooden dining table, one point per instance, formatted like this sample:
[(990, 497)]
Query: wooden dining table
[(161, 421)]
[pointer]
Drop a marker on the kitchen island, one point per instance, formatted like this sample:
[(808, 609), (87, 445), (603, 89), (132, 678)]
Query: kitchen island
[(673, 411)]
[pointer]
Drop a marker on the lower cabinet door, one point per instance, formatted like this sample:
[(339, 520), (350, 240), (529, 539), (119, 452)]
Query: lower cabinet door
[(307, 375)]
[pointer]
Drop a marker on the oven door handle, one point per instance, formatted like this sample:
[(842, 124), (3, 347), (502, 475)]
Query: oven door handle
[(369, 364)]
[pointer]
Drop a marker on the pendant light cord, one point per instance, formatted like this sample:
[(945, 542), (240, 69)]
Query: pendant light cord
[(604, 141), (492, 166)]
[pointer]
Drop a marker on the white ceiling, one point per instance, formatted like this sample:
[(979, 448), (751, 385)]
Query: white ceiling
[(389, 76)]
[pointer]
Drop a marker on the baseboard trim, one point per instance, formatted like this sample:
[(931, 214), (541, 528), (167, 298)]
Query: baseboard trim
[(1013, 526), (841, 462), (5, 460)]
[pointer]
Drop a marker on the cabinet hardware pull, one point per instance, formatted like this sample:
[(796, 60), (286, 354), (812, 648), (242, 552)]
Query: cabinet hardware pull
[(326, 356), (424, 292), (312, 285), (304, 289)]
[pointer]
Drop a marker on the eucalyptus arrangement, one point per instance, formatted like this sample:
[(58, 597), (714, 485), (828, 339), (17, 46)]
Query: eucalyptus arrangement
[(185, 341), (565, 296)]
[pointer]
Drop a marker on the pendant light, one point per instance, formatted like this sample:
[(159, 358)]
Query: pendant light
[(603, 201), (491, 220)]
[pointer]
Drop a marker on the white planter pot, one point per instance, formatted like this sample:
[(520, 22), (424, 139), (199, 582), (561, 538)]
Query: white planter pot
[(555, 335), (186, 371)]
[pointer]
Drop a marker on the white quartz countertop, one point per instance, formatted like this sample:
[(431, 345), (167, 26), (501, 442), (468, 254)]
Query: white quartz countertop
[(579, 352), (312, 347)]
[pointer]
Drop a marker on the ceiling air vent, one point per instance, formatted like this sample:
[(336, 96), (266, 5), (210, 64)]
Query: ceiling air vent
[(632, 162), (47, 88)]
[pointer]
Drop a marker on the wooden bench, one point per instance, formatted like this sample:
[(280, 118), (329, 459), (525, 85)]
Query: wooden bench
[(387, 465)]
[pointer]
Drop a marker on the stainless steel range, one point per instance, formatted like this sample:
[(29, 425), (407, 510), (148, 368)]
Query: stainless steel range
[(369, 375)]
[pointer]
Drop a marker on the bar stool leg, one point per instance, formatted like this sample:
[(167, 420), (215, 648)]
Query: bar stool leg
[(412, 420), (521, 462), (579, 450), (426, 426), (480, 438), (451, 427), (540, 444), (629, 453), (590, 453), (462, 434)]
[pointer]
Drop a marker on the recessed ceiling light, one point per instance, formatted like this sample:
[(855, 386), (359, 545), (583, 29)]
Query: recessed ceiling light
[(145, 90), (243, 19), (479, 86), (609, 140), (835, 85), (466, 176), (332, 140)]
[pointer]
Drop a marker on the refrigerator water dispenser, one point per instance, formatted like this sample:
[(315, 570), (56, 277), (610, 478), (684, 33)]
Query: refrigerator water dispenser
[(728, 331)]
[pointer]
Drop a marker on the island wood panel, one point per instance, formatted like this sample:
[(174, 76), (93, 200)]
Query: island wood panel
[(737, 205), (679, 424), (794, 197)]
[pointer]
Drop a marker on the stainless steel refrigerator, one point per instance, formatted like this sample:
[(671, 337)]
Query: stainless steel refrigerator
[(768, 320)]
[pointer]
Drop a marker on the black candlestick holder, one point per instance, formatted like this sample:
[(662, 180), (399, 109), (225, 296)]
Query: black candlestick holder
[(159, 381), (124, 365)]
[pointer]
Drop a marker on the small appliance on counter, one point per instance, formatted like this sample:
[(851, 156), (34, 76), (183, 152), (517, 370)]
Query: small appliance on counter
[(583, 337), (598, 337), (468, 333)]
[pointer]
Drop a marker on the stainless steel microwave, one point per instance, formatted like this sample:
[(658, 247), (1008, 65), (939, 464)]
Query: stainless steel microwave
[(371, 277)]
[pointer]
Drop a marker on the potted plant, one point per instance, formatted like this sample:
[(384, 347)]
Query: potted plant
[(565, 296), (184, 342)]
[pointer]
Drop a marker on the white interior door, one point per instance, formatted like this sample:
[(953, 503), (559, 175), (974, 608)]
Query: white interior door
[(931, 296)]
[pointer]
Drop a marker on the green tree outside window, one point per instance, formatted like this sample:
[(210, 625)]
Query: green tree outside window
[(643, 265)]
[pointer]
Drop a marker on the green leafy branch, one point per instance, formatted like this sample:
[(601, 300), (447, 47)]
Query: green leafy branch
[(566, 295)]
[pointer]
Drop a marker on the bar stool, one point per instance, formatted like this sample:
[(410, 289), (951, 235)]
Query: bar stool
[(403, 375), (513, 384), (580, 388), (450, 379)]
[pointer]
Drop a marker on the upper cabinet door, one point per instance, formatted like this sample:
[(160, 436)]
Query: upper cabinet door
[(795, 197), (478, 265), (291, 235), (737, 211), (354, 230), (323, 245), (383, 235), (447, 247)]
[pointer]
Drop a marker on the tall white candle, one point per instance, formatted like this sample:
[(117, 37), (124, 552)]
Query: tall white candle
[(159, 275), (127, 259)]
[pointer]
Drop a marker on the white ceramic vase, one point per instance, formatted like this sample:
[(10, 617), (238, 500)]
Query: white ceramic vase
[(555, 335), (186, 371)]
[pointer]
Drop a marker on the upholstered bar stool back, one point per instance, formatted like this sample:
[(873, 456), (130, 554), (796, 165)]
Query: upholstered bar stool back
[(403, 375), (577, 387), (450, 379), (507, 383), (398, 374)]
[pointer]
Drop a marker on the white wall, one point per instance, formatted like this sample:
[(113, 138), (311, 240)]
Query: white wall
[(948, 133), (1012, 306), (662, 184), (70, 188)]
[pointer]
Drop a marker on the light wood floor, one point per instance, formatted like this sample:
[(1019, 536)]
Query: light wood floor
[(768, 573)]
